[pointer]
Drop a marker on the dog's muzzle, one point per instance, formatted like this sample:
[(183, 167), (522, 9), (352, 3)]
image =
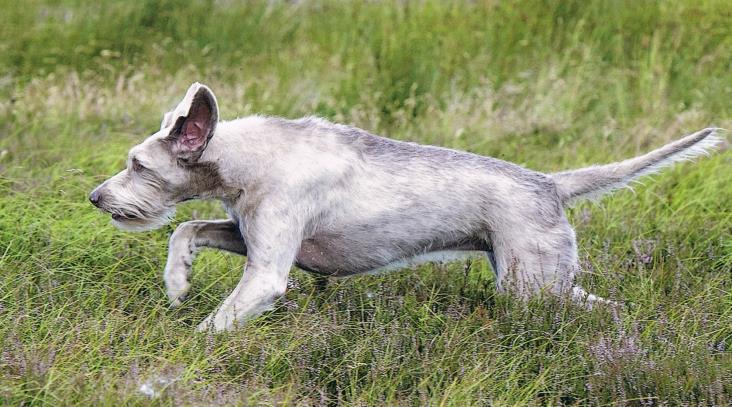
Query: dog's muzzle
[(95, 197)]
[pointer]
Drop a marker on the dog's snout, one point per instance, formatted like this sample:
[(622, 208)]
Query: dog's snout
[(95, 197)]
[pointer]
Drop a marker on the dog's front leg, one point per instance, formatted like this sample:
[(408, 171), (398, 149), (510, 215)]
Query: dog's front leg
[(186, 241), (272, 244)]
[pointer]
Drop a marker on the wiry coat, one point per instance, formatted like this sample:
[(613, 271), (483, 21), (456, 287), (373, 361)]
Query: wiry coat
[(337, 201)]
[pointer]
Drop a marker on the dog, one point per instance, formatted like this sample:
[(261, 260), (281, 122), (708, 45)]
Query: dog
[(338, 201)]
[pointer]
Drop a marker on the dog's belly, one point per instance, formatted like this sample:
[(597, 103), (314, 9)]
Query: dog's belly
[(331, 259), (440, 256)]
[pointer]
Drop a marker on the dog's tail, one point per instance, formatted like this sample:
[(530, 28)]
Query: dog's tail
[(595, 181)]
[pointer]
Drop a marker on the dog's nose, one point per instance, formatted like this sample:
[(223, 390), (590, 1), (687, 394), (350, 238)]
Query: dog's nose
[(95, 197)]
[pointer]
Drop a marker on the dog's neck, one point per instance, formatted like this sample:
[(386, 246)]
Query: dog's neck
[(236, 158)]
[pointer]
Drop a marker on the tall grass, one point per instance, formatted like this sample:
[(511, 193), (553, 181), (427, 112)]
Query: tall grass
[(548, 84)]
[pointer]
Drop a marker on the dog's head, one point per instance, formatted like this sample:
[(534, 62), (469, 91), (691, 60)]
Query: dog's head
[(164, 169)]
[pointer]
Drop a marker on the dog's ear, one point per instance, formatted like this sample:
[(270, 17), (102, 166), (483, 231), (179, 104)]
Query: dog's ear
[(194, 122), (167, 120)]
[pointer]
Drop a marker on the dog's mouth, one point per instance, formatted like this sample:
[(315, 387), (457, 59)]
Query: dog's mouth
[(121, 217), (141, 221)]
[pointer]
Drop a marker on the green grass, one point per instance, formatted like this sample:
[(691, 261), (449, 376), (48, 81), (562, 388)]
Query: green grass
[(548, 84)]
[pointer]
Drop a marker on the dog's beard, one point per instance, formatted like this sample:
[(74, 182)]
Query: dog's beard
[(138, 209), (144, 224)]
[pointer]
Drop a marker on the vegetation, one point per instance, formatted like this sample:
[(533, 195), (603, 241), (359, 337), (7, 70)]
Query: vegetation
[(550, 84)]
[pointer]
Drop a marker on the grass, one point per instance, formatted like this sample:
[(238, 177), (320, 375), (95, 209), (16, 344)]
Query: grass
[(549, 84)]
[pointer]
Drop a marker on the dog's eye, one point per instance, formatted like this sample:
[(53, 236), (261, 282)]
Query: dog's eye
[(136, 166)]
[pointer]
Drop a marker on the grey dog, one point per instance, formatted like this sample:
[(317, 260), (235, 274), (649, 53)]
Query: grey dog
[(338, 201)]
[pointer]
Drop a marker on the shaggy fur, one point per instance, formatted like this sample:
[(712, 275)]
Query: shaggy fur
[(338, 201)]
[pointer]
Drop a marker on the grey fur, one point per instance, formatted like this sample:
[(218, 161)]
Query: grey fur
[(338, 201), (598, 180)]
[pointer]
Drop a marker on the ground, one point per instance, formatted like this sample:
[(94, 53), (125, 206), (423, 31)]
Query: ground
[(548, 84)]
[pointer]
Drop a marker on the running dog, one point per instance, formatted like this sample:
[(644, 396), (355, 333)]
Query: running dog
[(338, 201)]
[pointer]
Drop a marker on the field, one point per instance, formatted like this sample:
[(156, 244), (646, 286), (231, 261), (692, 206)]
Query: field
[(547, 84)]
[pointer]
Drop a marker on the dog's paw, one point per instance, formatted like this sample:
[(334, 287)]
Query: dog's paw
[(213, 324), (218, 322), (177, 293), (176, 284), (177, 301), (205, 325)]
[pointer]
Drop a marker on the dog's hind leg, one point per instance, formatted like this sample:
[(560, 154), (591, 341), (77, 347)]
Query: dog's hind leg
[(530, 259), (542, 261), (185, 242)]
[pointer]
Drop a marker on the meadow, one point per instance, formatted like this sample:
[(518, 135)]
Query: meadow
[(548, 84)]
